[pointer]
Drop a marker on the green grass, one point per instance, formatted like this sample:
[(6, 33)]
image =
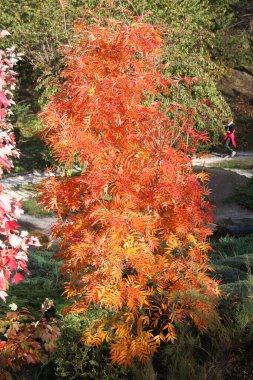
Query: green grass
[(244, 195), (31, 157), (229, 246), (233, 260), (31, 207), (43, 282), (242, 163), (33, 153)]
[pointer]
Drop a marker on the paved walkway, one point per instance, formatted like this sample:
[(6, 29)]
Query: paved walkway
[(17, 187), (13, 183)]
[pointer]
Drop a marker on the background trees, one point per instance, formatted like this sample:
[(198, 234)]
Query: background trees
[(203, 36), (205, 39)]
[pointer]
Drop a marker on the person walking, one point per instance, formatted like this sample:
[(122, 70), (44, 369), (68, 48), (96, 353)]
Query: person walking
[(229, 139)]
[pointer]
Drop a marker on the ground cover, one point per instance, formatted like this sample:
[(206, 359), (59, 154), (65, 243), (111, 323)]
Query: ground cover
[(43, 282), (33, 154), (239, 163)]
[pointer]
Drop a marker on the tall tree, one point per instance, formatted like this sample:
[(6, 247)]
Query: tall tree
[(133, 224)]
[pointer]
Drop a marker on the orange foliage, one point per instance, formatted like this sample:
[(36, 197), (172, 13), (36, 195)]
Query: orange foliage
[(133, 224)]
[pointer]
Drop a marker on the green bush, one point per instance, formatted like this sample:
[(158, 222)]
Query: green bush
[(75, 360), (227, 274), (239, 290), (225, 349), (43, 282), (242, 262), (231, 246), (221, 352)]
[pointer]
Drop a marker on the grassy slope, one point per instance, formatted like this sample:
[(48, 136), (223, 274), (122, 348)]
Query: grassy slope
[(43, 282)]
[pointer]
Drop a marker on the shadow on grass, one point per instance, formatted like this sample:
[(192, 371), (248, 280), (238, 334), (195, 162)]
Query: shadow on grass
[(44, 281), (33, 155)]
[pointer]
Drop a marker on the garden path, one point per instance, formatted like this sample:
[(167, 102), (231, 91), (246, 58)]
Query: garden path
[(222, 184), (17, 186)]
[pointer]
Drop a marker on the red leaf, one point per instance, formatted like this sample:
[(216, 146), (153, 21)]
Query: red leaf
[(3, 100), (11, 263), (11, 225), (17, 278)]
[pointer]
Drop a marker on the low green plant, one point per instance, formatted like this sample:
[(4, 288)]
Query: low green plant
[(225, 273), (225, 349), (221, 352), (243, 262), (75, 360), (228, 246), (34, 155)]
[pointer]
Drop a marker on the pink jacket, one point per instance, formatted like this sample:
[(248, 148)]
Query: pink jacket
[(232, 137)]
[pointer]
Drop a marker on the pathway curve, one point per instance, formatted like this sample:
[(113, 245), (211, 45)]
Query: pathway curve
[(210, 159), (16, 187), (222, 184), (13, 183)]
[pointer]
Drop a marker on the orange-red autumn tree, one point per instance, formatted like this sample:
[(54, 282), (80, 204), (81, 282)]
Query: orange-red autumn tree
[(133, 224)]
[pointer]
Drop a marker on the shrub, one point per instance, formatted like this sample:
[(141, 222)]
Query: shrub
[(225, 348), (44, 281), (242, 262), (227, 274), (75, 360), (232, 246)]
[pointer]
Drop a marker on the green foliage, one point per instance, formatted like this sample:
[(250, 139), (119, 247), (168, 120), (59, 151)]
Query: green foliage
[(190, 39), (75, 360), (230, 246), (242, 262), (39, 28), (232, 262), (225, 273), (233, 32), (237, 289), (34, 155)]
